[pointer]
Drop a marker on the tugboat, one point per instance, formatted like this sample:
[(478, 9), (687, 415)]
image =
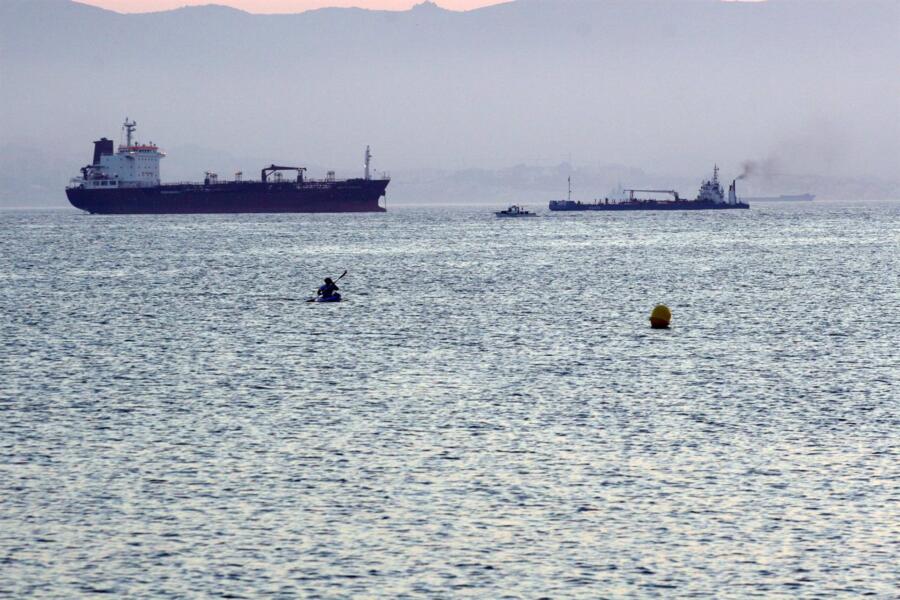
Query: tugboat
[(515, 211), (710, 197), (127, 182)]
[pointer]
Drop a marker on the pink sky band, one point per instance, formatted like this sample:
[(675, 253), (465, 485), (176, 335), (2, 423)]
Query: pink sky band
[(280, 6)]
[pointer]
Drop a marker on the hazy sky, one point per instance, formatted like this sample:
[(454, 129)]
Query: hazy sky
[(668, 87), (281, 6)]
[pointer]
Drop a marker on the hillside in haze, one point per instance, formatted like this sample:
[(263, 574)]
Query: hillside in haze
[(663, 88)]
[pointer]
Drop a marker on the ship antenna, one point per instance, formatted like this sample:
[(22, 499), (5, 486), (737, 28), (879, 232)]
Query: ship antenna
[(129, 128), (368, 160)]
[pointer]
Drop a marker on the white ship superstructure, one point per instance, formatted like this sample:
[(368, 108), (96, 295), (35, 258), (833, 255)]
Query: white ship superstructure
[(134, 165), (711, 190)]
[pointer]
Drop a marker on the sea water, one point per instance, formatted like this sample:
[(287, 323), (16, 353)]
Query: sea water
[(487, 415)]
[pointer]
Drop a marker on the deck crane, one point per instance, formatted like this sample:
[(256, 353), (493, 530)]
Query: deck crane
[(673, 192)]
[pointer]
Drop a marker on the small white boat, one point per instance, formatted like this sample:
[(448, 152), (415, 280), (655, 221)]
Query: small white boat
[(515, 211)]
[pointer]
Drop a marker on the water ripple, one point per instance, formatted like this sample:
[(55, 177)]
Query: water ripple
[(488, 415)]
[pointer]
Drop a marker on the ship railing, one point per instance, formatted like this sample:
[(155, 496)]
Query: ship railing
[(218, 182), (131, 184), (306, 181)]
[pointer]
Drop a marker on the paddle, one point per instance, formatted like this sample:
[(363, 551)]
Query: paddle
[(335, 281)]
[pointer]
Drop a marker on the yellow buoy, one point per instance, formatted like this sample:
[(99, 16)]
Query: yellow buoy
[(660, 317)]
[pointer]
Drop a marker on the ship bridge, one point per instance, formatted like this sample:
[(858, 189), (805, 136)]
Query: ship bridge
[(133, 165)]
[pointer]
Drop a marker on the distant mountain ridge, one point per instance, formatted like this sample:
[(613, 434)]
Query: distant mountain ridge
[(660, 86)]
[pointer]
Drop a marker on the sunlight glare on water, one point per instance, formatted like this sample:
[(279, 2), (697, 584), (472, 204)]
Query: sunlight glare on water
[(488, 415)]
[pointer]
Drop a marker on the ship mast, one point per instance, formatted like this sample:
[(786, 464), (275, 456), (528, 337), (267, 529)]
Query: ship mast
[(368, 160), (570, 188), (129, 128)]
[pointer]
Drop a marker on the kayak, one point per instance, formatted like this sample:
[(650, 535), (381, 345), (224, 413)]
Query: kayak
[(332, 298)]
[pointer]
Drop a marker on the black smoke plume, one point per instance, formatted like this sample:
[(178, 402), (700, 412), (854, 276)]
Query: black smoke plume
[(759, 169)]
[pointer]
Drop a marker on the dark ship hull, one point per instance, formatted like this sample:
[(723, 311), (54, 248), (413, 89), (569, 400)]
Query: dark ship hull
[(352, 195), (571, 205)]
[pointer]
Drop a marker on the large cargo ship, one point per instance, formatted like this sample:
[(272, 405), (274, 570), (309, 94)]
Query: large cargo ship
[(127, 182), (710, 197)]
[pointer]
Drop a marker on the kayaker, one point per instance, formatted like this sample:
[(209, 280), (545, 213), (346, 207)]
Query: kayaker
[(328, 290)]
